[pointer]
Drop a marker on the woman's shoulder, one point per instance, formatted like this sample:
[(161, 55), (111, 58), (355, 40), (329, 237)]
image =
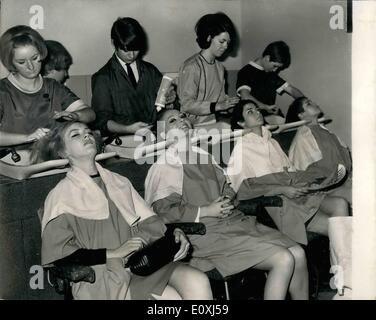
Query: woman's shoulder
[(5, 85), (192, 61)]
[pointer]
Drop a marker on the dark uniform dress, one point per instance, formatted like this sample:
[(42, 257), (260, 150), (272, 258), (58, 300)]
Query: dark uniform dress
[(22, 112), (264, 86)]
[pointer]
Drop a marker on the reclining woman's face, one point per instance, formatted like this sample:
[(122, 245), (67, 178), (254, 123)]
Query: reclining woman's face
[(252, 117), (311, 110), (79, 142), (176, 120)]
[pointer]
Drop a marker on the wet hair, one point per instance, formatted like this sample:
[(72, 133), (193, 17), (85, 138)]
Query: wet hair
[(58, 57), (278, 51), (128, 35), (20, 36), (237, 114), (295, 108), (52, 146), (213, 25)]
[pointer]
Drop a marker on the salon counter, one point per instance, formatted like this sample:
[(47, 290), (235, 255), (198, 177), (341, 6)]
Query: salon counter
[(20, 238)]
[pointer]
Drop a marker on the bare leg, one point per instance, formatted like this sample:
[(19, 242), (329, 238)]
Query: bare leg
[(330, 207), (280, 267), (190, 283), (299, 282), (169, 293)]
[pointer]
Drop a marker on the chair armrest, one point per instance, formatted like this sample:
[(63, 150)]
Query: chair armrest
[(73, 273), (187, 227)]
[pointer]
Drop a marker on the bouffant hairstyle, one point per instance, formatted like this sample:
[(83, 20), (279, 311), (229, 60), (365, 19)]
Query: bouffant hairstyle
[(20, 36), (213, 25)]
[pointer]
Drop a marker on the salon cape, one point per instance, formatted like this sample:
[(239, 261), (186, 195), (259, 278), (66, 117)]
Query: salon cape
[(77, 194), (254, 156), (170, 165), (304, 149)]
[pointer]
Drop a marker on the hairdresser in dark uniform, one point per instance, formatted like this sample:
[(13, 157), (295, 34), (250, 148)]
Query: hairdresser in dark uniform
[(125, 88)]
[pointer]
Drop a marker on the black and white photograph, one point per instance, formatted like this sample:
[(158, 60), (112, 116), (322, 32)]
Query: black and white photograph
[(203, 150)]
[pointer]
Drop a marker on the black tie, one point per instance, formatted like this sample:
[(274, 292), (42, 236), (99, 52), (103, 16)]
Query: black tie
[(131, 76)]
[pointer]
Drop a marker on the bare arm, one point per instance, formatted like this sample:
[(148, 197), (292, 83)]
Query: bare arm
[(293, 92), (86, 115), (246, 95), (119, 128), (11, 139)]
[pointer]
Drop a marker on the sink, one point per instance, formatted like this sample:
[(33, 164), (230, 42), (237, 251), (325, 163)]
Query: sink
[(24, 170)]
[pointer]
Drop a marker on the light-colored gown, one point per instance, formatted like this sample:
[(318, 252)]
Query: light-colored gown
[(256, 165)]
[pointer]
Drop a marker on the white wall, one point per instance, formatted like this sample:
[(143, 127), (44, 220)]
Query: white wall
[(321, 57), (83, 26)]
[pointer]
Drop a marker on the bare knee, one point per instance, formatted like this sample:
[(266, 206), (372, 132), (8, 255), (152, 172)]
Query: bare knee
[(342, 207), (191, 283), (299, 256), (284, 259)]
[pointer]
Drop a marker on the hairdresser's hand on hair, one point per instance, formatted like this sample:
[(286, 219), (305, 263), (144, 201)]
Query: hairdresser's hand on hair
[(126, 249), (133, 128), (37, 134), (293, 192), (66, 115), (272, 109), (170, 95), (228, 103), (219, 208), (184, 244)]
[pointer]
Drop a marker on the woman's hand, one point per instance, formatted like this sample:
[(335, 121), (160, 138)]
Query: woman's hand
[(66, 115), (133, 128), (271, 109), (37, 134), (126, 249), (184, 244), (227, 103), (219, 208), (293, 192)]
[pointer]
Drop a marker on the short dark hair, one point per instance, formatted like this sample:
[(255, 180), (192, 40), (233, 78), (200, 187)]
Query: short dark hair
[(16, 37), (237, 114), (278, 51), (51, 146), (295, 108), (58, 57), (128, 35), (213, 25)]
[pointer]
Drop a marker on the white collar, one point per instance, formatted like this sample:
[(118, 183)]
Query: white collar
[(257, 66), (12, 79), (123, 64)]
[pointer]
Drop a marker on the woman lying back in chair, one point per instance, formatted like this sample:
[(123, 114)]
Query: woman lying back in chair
[(95, 217), (258, 167), (185, 185), (315, 149)]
